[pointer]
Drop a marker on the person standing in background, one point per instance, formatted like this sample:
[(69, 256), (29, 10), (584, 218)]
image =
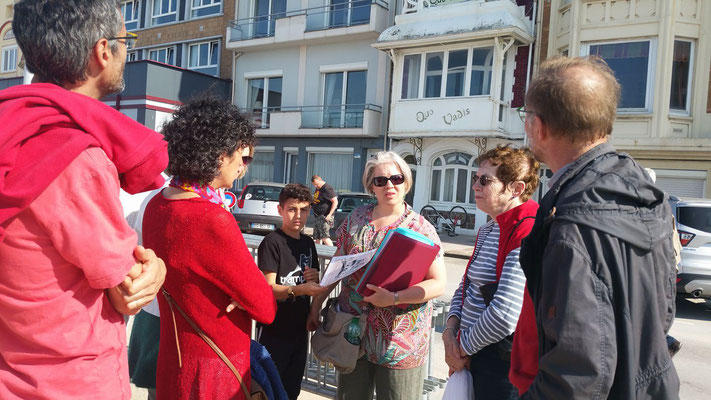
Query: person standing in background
[(324, 205)]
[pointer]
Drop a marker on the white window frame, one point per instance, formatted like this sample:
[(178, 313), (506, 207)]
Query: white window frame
[(209, 42), (136, 14), (265, 102), (651, 70), (471, 168), (166, 48), (155, 16), (212, 4), (445, 68), (689, 87), (6, 51), (344, 89), (133, 55)]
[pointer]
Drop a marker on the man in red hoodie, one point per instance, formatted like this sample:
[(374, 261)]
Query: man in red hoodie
[(69, 265)]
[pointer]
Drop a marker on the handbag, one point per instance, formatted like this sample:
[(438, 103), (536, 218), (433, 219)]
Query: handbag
[(257, 392), (337, 340)]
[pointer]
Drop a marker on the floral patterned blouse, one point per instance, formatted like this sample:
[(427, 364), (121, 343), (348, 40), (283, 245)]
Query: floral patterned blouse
[(394, 337)]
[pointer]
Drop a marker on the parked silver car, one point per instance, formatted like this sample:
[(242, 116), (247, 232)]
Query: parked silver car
[(256, 208), (693, 221)]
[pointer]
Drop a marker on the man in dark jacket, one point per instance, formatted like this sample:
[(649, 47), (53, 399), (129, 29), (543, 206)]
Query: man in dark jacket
[(599, 260)]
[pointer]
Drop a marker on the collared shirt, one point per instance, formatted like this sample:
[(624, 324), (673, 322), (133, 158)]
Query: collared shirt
[(556, 176)]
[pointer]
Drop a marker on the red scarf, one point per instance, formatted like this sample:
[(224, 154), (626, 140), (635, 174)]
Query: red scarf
[(45, 127)]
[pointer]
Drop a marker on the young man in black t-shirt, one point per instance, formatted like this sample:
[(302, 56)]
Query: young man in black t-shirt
[(325, 204), (290, 264)]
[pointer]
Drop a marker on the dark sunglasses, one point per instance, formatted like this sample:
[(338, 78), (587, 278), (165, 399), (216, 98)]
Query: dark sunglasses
[(246, 160), (483, 180), (380, 181)]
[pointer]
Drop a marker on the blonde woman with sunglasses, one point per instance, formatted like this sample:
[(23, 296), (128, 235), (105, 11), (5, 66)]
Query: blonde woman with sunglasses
[(396, 338)]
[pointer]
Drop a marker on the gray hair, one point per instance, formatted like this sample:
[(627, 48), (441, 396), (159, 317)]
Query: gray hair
[(57, 36), (386, 157)]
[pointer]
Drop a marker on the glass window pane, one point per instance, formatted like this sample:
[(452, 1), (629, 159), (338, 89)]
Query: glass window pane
[(360, 11), (194, 49), (434, 190), (630, 62), (333, 99), (448, 184), (472, 174), (456, 68), (462, 185), (355, 89), (255, 99), (339, 12), (482, 63), (274, 98), (336, 169), (433, 74), (457, 158), (203, 54), (171, 57), (411, 76), (680, 75), (438, 162)]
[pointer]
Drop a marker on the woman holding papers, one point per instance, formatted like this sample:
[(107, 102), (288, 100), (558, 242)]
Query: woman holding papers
[(396, 339), (485, 308)]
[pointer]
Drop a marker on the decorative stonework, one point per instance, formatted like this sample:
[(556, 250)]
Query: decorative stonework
[(595, 12), (646, 8), (565, 21), (619, 10), (688, 9)]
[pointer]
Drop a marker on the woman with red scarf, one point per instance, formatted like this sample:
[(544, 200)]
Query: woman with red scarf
[(208, 264)]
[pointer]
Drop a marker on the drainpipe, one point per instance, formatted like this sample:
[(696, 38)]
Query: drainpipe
[(530, 46), (235, 56)]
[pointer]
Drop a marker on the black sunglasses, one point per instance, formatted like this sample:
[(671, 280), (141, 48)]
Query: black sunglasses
[(246, 160), (380, 181), (483, 180)]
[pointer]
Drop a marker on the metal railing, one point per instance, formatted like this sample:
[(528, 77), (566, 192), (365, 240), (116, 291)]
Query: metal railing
[(321, 116), (321, 377), (350, 13)]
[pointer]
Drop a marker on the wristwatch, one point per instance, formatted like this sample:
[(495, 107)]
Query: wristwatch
[(290, 293)]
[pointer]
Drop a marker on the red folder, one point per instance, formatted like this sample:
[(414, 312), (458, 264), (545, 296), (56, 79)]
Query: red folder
[(402, 261)]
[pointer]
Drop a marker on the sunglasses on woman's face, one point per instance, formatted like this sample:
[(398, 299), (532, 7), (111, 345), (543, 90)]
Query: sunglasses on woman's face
[(246, 160), (380, 181), (483, 180)]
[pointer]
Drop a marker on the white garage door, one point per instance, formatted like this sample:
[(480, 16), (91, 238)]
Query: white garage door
[(682, 183)]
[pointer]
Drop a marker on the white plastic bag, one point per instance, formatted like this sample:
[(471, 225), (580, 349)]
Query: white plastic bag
[(460, 386)]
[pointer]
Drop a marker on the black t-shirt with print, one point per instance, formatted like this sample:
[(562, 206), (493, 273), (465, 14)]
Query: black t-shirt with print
[(322, 199), (288, 257)]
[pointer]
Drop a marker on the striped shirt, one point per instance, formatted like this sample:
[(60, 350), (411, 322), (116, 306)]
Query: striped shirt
[(480, 325)]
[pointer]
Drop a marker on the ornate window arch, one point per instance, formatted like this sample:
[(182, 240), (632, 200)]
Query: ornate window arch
[(452, 174)]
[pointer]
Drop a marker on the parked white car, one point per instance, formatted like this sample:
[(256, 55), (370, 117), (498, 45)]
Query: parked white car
[(693, 221)]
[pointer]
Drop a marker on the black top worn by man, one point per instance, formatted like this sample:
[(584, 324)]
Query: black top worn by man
[(599, 260)]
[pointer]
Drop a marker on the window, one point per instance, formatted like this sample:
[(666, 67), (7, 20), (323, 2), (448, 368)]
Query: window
[(681, 77), (133, 55), (411, 76), (201, 8), (631, 63), (164, 11), (335, 168), (9, 59), (204, 57), (452, 176), (468, 73), (349, 12), (266, 12), (264, 96), (165, 55), (131, 11), (344, 99), (261, 169)]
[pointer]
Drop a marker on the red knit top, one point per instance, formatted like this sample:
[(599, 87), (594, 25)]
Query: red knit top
[(208, 264)]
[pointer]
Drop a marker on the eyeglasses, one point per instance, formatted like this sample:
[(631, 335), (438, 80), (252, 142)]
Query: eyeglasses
[(483, 180), (129, 40), (381, 181), (246, 160), (522, 113)]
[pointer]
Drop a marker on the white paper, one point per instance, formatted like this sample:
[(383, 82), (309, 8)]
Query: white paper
[(342, 266), (459, 386)]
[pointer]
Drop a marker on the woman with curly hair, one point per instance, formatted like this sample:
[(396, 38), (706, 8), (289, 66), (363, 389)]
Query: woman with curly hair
[(209, 266)]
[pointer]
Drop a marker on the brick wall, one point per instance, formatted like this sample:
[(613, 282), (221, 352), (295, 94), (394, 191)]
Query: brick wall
[(193, 30)]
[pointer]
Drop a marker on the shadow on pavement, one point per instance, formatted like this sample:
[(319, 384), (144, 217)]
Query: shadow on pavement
[(698, 309)]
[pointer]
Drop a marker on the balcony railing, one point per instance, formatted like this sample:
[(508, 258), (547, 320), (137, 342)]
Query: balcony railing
[(347, 13), (315, 117)]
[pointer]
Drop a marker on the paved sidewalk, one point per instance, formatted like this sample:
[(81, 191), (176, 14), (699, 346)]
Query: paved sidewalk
[(460, 246)]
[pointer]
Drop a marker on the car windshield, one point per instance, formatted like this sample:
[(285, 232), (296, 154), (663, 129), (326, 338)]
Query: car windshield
[(349, 203), (695, 217), (267, 193)]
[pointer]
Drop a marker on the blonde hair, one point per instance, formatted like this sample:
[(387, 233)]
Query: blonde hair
[(386, 157)]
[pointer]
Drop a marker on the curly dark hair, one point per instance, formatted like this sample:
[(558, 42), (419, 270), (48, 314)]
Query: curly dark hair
[(295, 191), (201, 131)]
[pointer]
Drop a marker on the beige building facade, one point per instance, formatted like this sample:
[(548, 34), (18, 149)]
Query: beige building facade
[(10, 66), (660, 51)]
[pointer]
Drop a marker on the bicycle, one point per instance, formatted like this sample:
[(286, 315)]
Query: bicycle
[(458, 216)]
